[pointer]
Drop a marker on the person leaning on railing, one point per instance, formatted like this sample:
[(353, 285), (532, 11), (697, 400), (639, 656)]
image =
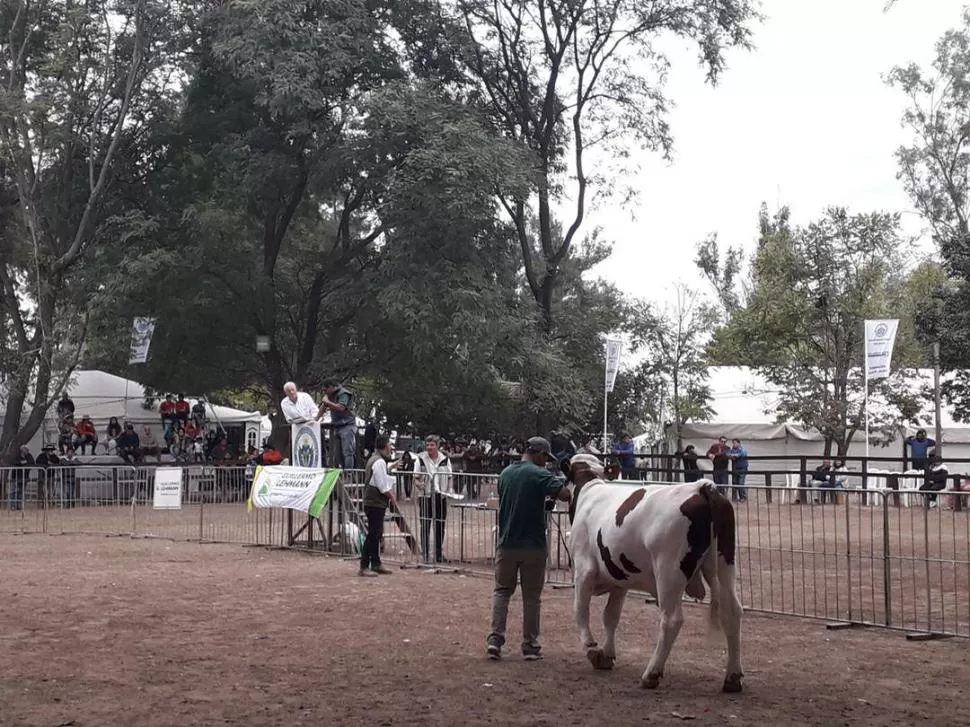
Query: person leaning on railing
[(935, 479)]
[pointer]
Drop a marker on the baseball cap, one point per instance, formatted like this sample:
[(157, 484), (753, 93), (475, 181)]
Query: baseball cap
[(539, 445)]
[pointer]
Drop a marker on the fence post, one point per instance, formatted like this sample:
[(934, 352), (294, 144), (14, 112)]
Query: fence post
[(957, 500), (848, 550), (768, 494), (886, 568), (865, 482), (201, 517), (133, 528)]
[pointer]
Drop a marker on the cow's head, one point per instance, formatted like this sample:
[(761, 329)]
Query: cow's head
[(611, 471), (579, 471)]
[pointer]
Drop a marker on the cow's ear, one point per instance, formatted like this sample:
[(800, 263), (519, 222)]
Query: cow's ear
[(564, 466)]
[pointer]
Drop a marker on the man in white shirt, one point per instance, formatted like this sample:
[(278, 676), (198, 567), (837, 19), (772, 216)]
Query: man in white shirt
[(298, 406), (432, 478), (378, 495)]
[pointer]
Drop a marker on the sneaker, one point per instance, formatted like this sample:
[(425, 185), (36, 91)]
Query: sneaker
[(366, 573), (494, 652), (381, 570), (532, 656)]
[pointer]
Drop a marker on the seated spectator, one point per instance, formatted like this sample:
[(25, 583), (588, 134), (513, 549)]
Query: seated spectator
[(822, 477), (198, 413), (87, 435), (182, 410), (270, 456), (113, 431), (129, 445), (191, 430), (65, 433), (935, 479), (149, 445)]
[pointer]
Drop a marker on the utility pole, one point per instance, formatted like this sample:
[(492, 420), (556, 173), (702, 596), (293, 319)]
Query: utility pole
[(936, 398)]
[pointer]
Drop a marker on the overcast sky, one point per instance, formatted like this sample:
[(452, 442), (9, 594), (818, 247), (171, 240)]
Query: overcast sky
[(804, 120)]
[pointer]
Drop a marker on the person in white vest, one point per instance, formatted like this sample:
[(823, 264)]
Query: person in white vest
[(298, 406), (432, 478)]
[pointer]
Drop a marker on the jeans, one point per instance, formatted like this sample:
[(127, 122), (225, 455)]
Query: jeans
[(370, 554), (720, 479), (433, 509), (346, 448), (83, 441), (511, 566), (932, 487), (691, 475), (18, 486), (738, 478)]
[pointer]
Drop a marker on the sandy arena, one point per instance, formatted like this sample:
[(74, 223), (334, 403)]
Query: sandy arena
[(119, 631)]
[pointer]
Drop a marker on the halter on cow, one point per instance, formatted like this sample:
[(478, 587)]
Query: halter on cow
[(663, 539)]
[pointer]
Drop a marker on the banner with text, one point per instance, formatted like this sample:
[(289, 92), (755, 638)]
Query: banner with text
[(141, 339), (293, 488), (880, 339), (306, 445), (614, 346), (168, 489)]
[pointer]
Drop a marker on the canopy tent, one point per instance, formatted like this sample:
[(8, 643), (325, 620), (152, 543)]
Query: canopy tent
[(745, 406)]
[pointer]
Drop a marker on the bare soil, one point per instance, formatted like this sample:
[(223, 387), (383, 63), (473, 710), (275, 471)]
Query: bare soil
[(120, 631)]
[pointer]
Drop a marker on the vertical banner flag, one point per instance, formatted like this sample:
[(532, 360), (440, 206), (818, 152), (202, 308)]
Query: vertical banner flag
[(305, 444), (613, 348), (168, 489), (295, 488), (880, 338), (141, 338)]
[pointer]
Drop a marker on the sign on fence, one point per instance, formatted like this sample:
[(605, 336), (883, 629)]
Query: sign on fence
[(294, 488), (168, 489)]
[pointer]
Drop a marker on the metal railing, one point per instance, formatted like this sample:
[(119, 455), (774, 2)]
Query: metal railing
[(874, 556)]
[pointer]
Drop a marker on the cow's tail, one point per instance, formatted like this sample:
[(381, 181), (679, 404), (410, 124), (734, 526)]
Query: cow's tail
[(717, 566)]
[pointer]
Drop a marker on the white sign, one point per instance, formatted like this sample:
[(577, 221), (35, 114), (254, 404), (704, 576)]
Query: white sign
[(141, 339), (880, 338), (613, 348), (306, 445), (168, 488), (295, 488)]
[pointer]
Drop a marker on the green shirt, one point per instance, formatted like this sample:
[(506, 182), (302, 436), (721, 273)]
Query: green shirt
[(522, 491)]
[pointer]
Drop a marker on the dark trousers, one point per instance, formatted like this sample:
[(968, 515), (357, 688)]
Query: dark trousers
[(721, 478), (932, 487), (691, 475), (433, 509), (370, 554), (738, 479)]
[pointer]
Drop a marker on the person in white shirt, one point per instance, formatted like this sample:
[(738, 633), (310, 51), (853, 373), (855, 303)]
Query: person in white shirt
[(298, 406), (378, 495), (432, 478)]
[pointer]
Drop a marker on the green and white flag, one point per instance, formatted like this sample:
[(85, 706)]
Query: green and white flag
[(294, 488)]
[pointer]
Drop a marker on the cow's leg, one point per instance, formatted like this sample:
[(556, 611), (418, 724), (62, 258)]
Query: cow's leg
[(730, 611), (582, 595), (670, 590), (611, 619)]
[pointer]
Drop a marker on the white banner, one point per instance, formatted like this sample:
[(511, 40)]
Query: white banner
[(168, 488), (880, 338), (306, 445), (295, 488), (141, 339), (613, 348)]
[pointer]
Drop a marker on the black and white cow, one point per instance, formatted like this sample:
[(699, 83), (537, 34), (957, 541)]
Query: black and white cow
[(662, 539)]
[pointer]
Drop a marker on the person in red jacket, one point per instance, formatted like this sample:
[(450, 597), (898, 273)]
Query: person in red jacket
[(86, 434), (167, 411), (182, 409)]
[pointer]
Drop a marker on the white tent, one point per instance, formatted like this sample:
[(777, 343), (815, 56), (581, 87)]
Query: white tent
[(101, 396), (744, 407)]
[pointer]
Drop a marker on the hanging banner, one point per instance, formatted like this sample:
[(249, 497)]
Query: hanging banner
[(880, 339), (613, 348), (141, 339), (306, 445), (293, 488), (168, 489)]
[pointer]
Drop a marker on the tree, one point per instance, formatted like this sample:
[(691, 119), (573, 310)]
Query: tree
[(674, 340), (565, 77), (935, 171), (81, 89), (811, 288)]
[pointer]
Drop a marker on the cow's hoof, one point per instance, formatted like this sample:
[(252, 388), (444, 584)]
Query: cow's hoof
[(651, 681), (599, 659), (732, 684)]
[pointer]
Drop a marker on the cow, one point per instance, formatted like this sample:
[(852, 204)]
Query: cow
[(662, 539)]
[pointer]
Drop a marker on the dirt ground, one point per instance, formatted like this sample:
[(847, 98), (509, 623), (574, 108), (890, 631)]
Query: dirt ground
[(120, 631)]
